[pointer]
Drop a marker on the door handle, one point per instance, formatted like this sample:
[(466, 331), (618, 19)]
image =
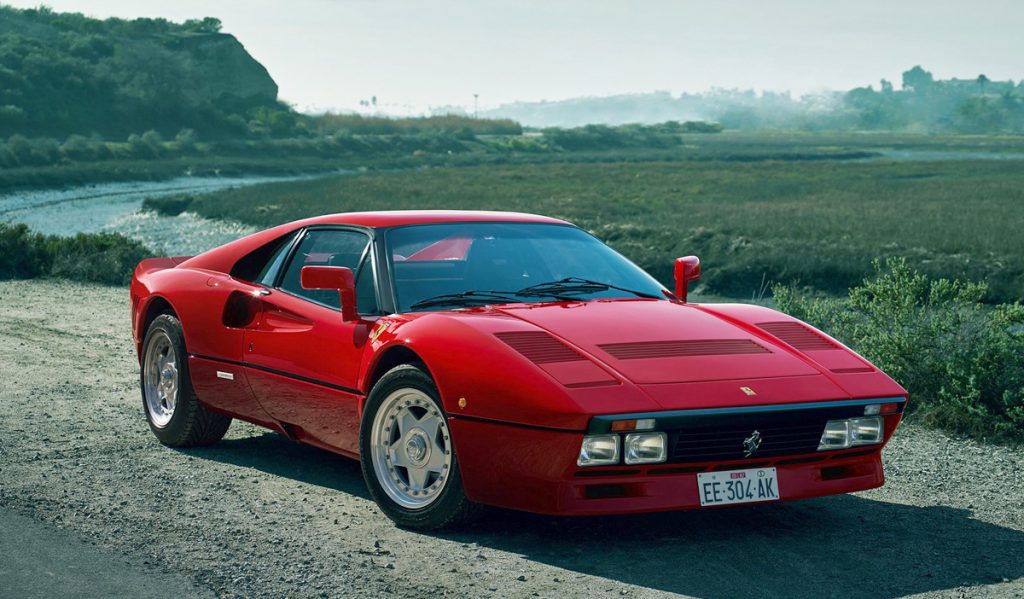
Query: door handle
[(263, 292)]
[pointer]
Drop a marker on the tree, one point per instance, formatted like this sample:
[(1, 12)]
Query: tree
[(206, 25), (982, 80), (917, 79)]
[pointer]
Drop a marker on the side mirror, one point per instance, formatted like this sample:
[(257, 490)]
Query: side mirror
[(333, 277), (687, 269)]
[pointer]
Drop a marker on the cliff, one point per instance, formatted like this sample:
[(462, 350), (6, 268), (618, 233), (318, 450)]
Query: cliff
[(64, 73)]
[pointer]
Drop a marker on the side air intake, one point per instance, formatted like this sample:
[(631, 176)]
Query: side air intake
[(798, 335), (672, 349), (539, 347)]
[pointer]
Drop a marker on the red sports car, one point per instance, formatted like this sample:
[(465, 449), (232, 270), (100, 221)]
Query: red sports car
[(513, 360)]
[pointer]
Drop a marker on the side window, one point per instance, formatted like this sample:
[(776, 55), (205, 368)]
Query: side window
[(269, 273), (331, 248), (256, 265)]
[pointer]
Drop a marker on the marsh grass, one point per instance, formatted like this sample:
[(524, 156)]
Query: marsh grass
[(813, 223)]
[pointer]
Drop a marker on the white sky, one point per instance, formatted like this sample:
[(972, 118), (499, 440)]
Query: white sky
[(415, 54)]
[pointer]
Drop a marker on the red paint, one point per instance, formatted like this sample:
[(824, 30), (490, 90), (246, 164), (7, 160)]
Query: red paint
[(336, 278), (304, 369)]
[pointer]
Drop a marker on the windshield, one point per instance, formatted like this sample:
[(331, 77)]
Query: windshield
[(458, 264)]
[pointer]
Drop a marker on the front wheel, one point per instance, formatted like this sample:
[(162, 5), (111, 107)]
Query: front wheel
[(174, 413), (407, 455)]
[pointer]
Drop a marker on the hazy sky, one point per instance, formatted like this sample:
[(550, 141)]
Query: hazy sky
[(415, 54)]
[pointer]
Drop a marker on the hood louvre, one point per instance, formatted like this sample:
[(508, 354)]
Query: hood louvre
[(540, 347), (797, 335), (683, 348)]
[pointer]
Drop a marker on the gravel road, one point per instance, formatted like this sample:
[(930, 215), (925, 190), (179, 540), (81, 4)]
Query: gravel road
[(257, 515)]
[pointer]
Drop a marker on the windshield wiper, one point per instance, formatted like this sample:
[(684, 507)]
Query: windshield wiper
[(577, 285), (487, 297), (466, 297)]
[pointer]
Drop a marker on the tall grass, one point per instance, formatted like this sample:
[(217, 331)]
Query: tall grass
[(817, 223), (357, 124)]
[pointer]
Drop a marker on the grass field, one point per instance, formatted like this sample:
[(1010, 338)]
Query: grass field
[(818, 223)]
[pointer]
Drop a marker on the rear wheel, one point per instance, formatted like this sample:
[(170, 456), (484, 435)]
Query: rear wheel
[(174, 413), (408, 458)]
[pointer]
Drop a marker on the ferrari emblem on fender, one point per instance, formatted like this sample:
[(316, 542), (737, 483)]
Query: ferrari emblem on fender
[(380, 329), (751, 444), (748, 391)]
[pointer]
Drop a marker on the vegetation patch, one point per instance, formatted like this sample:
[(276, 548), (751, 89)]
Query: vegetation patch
[(105, 258), (961, 360), (753, 224)]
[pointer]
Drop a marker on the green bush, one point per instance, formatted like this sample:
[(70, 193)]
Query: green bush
[(106, 258), (23, 254), (168, 206), (961, 360)]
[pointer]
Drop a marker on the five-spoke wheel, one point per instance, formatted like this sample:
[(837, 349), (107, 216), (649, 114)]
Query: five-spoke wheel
[(411, 448), (175, 415), (408, 457), (160, 378)]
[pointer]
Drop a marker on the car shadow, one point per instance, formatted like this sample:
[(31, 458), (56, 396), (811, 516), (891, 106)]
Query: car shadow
[(844, 546), (274, 454)]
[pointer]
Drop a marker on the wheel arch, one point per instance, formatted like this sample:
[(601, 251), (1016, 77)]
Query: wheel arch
[(155, 306), (390, 357)]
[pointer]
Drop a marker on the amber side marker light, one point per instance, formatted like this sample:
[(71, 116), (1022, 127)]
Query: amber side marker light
[(881, 408), (641, 424)]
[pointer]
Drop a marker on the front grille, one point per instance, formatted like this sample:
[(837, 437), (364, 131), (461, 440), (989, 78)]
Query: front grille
[(792, 434)]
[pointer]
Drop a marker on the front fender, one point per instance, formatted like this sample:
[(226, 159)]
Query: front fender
[(481, 377)]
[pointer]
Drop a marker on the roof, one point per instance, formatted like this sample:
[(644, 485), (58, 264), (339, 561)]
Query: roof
[(394, 218), (222, 258)]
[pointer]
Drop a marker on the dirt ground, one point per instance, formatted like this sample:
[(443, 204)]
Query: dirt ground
[(258, 515)]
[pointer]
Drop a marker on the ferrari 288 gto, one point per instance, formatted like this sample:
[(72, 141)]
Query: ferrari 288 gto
[(511, 360)]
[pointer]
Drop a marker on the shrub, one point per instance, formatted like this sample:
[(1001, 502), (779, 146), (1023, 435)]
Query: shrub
[(78, 148), (603, 137), (168, 206), (22, 253), (961, 361), (105, 258)]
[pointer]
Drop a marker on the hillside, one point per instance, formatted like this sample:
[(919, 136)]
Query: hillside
[(64, 73)]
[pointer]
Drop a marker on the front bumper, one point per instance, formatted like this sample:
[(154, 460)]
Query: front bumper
[(534, 469)]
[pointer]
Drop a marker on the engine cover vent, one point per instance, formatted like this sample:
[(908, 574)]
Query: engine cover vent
[(539, 347), (673, 349), (798, 335)]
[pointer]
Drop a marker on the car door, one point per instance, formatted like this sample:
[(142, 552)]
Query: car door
[(302, 359)]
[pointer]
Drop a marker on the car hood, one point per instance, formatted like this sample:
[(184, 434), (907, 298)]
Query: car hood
[(655, 342)]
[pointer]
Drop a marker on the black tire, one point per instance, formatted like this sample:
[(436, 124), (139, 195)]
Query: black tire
[(191, 423), (451, 508)]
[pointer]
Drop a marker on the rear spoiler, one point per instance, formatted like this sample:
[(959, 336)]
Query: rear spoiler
[(154, 264), (145, 267)]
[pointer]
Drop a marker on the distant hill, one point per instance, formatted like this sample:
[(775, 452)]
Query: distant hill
[(922, 104), (64, 73)]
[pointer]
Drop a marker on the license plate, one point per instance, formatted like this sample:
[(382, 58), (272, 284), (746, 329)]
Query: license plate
[(737, 486)]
